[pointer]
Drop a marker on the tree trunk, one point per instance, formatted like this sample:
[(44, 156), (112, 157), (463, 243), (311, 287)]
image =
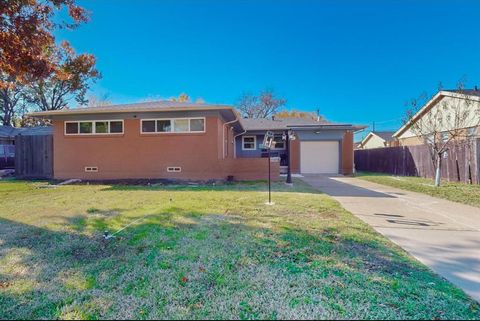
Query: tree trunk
[(438, 170)]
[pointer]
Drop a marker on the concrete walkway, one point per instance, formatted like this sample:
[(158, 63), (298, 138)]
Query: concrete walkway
[(441, 234)]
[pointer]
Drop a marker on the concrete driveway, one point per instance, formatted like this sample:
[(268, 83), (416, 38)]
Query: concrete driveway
[(441, 234)]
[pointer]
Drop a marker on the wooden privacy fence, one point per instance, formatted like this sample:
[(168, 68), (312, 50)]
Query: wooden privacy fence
[(460, 164), (34, 156)]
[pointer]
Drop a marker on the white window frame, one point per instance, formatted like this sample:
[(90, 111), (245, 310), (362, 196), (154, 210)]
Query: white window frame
[(254, 142), (172, 124), (284, 143), (93, 127)]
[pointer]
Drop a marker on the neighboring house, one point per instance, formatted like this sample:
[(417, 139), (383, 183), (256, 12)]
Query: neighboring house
[(449, 100), (188, 141), (7, 135), (378, 140)]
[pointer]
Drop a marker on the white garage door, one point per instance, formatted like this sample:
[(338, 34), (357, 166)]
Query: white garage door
[(319, 157)]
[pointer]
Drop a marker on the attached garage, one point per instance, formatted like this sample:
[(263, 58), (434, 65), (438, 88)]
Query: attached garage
[(319, 157)]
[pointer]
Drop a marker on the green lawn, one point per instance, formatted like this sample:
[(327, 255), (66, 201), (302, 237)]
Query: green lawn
[(456, 192), (205, 252)]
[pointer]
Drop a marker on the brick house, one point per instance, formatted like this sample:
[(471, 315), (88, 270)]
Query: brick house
[(189, 141)]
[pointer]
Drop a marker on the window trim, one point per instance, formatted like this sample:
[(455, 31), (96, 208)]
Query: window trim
[(93, 127), (254, 142), (284, 143), (172, 124)]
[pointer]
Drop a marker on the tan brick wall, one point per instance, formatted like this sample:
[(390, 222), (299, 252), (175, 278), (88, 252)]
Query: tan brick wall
[(295, 156), (133, 155), (347, 154)]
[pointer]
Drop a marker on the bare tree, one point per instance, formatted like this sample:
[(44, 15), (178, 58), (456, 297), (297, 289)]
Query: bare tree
[(444, 125), (266, 104), (99, 101), (11, 101)]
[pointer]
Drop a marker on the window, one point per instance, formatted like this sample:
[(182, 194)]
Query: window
[(164, 126), (174, 125), (101, 127), (180, 125), (116, 127), (148, 126), (279, 143), (10, 150), (98, 127), (71, 128), (197, 125), (86, 128), (249, 142)]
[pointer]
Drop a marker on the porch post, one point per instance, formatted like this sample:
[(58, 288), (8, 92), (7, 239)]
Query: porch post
[(289, 172)]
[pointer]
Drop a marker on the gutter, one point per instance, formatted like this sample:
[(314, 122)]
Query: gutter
[(116, 109), (223, 134), (235, 143)]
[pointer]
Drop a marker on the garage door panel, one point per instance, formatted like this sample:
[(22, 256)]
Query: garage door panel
[(319, 157)]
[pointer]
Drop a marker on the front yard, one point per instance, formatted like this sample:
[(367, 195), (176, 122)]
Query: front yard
[(205, 252), (456, 192)]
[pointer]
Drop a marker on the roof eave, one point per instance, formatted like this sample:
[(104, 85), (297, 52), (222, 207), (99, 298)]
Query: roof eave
[(73, 112)]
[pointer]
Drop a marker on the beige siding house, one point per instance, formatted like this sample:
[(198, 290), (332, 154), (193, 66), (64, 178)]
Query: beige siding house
[(451, 103), (378, 140)]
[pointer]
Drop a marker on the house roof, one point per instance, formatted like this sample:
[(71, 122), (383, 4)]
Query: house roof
[(254, 124), (7, 131), (163, 105), (470, 94), (34, 131), (385, 135), (248, 124), (11, 132)]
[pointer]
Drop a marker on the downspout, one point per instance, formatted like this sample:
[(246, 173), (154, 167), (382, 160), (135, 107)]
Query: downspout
[(223, 133), (235, 143)]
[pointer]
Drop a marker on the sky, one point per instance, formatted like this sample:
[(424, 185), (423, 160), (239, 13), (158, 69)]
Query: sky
[(355, 61)]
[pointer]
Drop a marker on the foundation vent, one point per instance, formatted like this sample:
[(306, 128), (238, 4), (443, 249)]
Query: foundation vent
[(174, 169), (91, 169)]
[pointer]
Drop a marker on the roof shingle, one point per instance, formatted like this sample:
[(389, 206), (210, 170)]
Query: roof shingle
[(163, 105), (252, 124)]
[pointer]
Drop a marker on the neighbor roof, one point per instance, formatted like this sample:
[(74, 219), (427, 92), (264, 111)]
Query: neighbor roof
[(471, 94), (468, 92), (7, 131), (385, 135), (11, 132), (163, 105)]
